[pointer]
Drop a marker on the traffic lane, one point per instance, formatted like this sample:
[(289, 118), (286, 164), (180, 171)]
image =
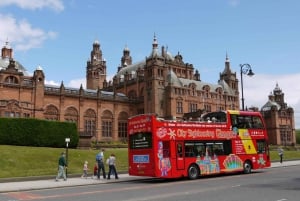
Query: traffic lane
[(138, 190), (270, 184)]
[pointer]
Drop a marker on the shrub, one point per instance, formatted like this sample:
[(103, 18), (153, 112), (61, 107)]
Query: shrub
[(36, 132)]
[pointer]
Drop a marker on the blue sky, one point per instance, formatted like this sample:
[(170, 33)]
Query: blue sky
[(58, 36)]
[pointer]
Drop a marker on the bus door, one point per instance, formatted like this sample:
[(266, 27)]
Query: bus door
[(179, 155)]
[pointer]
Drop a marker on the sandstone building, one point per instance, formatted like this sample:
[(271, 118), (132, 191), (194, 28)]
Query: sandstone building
[(161, 84), (279, 118)]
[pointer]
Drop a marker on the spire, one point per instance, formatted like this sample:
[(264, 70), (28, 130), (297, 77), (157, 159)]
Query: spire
[(154, 44), (227, 59), (227, 69), (62, 86), (126, 49), (154, 52), (277, 89)]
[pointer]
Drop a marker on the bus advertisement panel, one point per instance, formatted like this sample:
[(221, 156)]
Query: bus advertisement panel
[(218, 142)]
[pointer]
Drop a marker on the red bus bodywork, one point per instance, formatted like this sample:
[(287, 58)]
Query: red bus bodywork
[(159, 148)]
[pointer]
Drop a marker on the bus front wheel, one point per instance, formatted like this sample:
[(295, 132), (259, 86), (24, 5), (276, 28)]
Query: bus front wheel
[(193, 172), (247, 167)]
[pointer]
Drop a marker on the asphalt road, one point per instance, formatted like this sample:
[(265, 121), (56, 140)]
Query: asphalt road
[(274, 184)]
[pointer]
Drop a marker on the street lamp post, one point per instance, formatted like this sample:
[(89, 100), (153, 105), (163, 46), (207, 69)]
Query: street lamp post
[(67, 140), (245, 69)]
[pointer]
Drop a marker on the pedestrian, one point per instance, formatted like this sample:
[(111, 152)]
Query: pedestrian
[(85, 170), (95, 170), (107, 163), (62, 166), (280, 153), (112, 166), (100, 161)]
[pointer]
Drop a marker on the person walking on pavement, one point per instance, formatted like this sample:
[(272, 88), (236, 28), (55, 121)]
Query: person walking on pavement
[(95, 170), (280, 153), (112, 166), (62, 166), (85, 170), (100, 161)]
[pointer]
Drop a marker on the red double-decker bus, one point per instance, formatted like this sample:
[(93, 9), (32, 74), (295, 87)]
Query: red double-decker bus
[(216, 142)]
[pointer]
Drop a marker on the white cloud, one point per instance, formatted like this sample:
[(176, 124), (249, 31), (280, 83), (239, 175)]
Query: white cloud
[(52, 82), (56, 5), (76, 83), (258, 88), (22, 33)]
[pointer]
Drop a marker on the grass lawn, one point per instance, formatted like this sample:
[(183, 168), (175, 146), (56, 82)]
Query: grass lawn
[(19, 161)]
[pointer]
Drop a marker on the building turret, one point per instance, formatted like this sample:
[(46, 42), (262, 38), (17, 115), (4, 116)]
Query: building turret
[(96, 68)]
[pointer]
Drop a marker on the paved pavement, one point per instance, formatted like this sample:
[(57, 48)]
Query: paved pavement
[(12, 186)]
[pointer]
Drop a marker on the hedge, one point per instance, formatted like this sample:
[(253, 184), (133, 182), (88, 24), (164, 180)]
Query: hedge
[(36, 132)]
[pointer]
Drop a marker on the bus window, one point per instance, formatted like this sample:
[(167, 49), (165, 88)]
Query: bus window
[(209, 149), (227, 147), (189, 149), (246, 121), (218, 148), (257, 123), (234, 121), (200, 149), (261, 146), (179, 150), (142, 140)]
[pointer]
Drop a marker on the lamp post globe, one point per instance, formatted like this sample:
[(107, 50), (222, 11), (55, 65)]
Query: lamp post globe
[(67, 140), (246, 70)]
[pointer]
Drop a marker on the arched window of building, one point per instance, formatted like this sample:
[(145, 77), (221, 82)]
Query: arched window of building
[(71, 115), (179, 106), (107, 120), (11, 80), (90, 123), (122, 126), (206, 90), (51, 113), (192, 87), (12, 109)]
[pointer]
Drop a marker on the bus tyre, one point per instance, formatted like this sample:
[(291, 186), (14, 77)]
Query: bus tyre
[(247, 167), (193, 172)]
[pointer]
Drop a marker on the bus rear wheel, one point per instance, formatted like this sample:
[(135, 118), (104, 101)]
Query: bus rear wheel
[(247, 167), (193, 172)]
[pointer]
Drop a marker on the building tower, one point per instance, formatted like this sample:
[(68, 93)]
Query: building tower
[(7, 51), (126, 58), (96, 69), (228, 76), (39, 92), (154, 81), (279, 119), (230, 85)]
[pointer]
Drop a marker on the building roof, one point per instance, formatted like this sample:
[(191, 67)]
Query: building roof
[(269, 105), (5, 61), (130, 69), (182, 82)]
